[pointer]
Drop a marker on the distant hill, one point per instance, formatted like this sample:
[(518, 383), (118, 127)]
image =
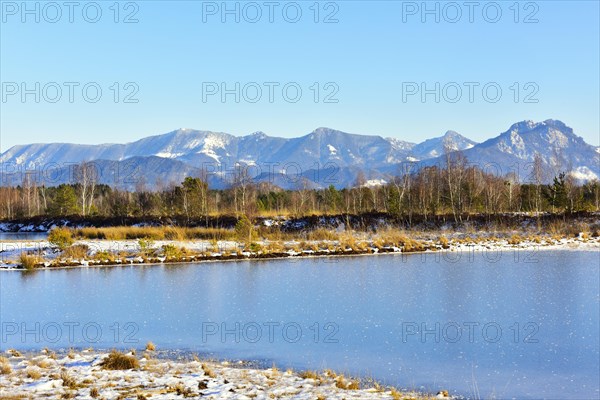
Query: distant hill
[(318, 159)]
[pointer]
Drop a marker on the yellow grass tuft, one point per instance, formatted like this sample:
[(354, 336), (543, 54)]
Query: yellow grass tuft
[(119, 361), (29, 261), (208, 371)]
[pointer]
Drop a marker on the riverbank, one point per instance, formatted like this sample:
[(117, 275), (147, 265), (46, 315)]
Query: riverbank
[(84, 252), (563, 222), (89, 374)]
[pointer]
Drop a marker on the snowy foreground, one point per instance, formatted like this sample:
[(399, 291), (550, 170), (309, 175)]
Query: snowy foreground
[(128, 252), (82, 375)]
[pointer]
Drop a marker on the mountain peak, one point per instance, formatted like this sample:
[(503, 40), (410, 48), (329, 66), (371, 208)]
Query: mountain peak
[(558, 146), (324, 131), (529, 125), (259, 135), (452, 134)]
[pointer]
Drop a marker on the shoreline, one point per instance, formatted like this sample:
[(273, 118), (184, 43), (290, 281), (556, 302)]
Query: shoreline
[(50, 260), (147, 374)]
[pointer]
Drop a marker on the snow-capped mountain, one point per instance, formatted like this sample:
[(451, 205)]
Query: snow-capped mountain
[(322, 157), (559, 148), (437, 146)]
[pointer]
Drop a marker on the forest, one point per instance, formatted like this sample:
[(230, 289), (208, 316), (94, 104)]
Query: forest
[(457, 189)]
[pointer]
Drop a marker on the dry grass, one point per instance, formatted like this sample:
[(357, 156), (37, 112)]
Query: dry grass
[(309, 375), (5, 368), (76, 251), (208, 371), (274, 247), (150, 346), (41, 363), (322, 234), (347, 241), (94, 393), (181, 390), (444, 242), (342, 383), (14, 353), (119, 361), (29, 261), (33, 373), (68, 380), (154, 233), (515, 239), (396, 395)]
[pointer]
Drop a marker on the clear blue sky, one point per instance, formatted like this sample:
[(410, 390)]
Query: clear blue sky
[(368, 54)]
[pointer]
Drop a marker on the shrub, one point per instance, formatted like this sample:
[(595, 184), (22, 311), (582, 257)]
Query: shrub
[(146, 245), (94, 393), (119, 361), (60, 237), (255, 247), (171, 251), (244, 230), (104, 255), (150, 346)]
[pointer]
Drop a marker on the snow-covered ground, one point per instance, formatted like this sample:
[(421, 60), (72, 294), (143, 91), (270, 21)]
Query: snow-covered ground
[(127, 251), (80, 375)]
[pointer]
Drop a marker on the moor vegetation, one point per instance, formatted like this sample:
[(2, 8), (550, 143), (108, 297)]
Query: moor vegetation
[(457, 190)]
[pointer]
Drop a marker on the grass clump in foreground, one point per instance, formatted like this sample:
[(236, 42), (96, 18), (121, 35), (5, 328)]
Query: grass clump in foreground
[(208, 371), (29, 261), (119, 361), (5, 368), (33, 373)]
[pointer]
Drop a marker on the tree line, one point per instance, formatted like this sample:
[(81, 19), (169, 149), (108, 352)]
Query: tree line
[(457, 188)]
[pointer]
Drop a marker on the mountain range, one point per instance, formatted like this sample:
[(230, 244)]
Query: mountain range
[(322, 157)]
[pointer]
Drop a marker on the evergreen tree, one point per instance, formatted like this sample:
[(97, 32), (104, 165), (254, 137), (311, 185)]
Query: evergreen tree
[(65, 201)]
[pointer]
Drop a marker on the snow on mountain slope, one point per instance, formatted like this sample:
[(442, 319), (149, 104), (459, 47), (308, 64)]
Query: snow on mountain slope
[(196, 148), (379, 158), (559, 148), (435, 147)]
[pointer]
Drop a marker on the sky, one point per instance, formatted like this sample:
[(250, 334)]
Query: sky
[(99, 72)]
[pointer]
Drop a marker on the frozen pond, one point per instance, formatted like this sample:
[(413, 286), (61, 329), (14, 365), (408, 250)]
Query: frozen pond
[(10, 236), (522, 325)]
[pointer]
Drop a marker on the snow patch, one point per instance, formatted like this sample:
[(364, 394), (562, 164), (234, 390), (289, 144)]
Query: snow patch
[(583, 174), (375, 182)]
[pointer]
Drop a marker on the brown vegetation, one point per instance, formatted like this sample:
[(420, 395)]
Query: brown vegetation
[(119, 361)]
